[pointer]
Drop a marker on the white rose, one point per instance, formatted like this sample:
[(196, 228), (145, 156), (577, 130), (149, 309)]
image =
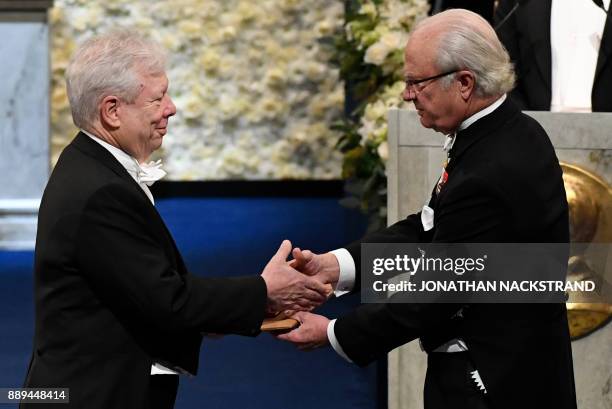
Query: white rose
[(324, 28), (315, 71), (210, 60), (383, 151), (191, 29), (56, 15), (375, 111), (368, 9), (388, 43), (228, 33), (367, 130), (192, 108), (275, 77)]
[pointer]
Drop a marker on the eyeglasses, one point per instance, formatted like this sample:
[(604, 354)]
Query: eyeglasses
[(413, 85)]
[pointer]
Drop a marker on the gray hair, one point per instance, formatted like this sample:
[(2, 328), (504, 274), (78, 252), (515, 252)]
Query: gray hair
[(467, 41), (110, 64)]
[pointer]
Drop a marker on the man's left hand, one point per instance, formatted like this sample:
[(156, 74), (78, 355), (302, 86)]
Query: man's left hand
[(311, 334)]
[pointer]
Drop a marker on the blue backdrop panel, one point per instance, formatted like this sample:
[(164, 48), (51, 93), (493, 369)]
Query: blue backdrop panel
[(16, 316), (224, 237)]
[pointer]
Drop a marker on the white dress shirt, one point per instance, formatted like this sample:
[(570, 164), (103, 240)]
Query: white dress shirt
[(346, 279), (576, 30), (133, 167)]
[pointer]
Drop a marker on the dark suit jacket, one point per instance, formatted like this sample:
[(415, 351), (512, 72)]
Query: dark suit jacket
[(526, 36), (111, 290), (504, 185)]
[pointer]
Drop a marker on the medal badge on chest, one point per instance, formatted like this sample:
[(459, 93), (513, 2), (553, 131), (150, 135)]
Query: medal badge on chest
[(443, 178)]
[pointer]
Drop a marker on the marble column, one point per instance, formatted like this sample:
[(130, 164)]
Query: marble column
[(24, 118)]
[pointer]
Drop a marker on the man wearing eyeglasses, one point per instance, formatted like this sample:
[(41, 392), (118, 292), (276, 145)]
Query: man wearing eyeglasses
[(501, 184)]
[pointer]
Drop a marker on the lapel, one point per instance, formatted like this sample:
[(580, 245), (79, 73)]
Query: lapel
[(86, 145), (93, 149), (469, 137), (605, 48), (484, 126), (537, 14)]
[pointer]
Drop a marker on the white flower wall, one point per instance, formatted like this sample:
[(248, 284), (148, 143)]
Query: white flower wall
[(251, 80), (384, 47)]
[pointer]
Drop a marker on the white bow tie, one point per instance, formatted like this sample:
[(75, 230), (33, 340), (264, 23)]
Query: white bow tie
[(149, 173)]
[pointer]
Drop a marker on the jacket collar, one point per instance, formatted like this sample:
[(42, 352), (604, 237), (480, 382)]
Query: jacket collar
[(482, 113), (93, 149), (481, 128), (86, 145)]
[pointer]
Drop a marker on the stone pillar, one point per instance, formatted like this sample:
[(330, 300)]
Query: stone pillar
[(24, 118)]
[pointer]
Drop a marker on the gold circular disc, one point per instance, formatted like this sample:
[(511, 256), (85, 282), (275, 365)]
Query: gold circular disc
[(590, 207)]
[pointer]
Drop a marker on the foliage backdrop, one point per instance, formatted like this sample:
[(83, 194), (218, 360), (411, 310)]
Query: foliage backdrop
[(255, 91), (259, 86), (370, 56)]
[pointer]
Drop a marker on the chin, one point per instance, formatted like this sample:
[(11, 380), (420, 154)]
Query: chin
[(426, 123), (429, 124), (156, 143)]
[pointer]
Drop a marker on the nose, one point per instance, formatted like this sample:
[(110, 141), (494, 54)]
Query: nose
[(408, 94), (170, 108)]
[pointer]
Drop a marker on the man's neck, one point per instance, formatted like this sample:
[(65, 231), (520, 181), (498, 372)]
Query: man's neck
[(104, 134)]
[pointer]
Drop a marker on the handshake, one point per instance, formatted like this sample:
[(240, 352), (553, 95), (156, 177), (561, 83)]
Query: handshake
[(297, 287)]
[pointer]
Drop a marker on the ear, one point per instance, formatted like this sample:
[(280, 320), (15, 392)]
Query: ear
[(109, 114), (467, 83)]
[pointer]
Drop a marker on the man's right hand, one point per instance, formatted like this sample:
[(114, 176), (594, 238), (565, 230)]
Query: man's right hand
[(288, 289)]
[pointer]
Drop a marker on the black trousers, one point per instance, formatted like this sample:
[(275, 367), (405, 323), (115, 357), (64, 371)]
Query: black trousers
[(449, 383), (162, 391)]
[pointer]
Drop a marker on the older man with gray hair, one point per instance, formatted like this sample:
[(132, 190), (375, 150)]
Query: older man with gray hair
[(118, 316), (501, 183)]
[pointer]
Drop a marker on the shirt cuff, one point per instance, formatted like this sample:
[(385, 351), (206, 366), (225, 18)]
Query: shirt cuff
[(331, 336), (346, 278)]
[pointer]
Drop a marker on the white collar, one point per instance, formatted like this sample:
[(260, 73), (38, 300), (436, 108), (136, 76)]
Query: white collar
[(450, 139), (128, 162), (482, 113)]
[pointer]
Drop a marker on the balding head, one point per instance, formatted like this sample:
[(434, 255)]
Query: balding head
[(439, 23), (461, 39)]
